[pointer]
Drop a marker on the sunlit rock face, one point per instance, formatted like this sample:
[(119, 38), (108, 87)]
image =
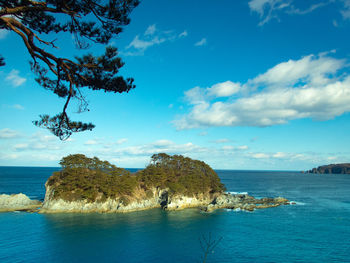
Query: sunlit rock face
[(17, 202), (161, 199)]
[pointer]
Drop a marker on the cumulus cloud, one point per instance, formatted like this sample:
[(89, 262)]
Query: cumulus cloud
[(272, 9), (228, 147), (15, 79), (199, 95), (21, 146), (201, 42), (151, 37), (316, 87), (159, 146), (122, 140), (91, 142), (260, 155), (243, 147), (7, 133)]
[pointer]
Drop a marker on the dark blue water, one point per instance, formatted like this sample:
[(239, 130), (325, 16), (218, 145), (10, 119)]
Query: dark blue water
[(315, 230)]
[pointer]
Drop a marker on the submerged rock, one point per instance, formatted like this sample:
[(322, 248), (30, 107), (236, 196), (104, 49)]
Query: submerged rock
[(17, 202)]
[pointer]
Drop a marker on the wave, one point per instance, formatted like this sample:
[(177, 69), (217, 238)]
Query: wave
[(237, 210), (297, 203), (237, 193)]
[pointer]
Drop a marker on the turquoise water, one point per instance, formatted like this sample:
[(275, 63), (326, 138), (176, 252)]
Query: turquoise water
[(317, 229)]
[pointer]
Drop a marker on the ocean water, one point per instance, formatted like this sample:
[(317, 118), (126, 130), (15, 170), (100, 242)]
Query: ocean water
[(317, 229)]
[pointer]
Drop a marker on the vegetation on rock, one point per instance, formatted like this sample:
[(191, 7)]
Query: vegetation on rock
[(181, 175), (91, 179)]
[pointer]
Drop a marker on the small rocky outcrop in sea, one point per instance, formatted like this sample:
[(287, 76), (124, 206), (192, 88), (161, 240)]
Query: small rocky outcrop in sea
[(244, 202), (169, 182), (341, 168), (17, 202)]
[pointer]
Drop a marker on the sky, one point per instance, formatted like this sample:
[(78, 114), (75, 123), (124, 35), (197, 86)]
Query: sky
[(259, 84)]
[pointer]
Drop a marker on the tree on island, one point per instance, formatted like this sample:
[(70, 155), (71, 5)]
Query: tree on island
[(84, 178), (90, 22)]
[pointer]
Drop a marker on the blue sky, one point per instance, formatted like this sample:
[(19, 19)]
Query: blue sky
[(260, 84)]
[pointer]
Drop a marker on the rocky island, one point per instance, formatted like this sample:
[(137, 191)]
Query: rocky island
[(341, 168), (17, 202), (169, 182)]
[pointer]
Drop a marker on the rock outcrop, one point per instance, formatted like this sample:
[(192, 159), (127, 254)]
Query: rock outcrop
[(244, 202), (160, 199), (168, 182), (341, 168), (17, 202)]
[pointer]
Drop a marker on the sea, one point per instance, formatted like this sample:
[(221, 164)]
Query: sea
[(315, 229)]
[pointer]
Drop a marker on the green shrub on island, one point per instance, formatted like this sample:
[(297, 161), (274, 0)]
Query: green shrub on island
[(84, 178)]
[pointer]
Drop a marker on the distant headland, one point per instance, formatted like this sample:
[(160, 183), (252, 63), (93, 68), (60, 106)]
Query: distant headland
[(341, 168), (175, 182)]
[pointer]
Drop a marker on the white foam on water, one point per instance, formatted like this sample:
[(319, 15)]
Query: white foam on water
[(297, 203), (237, 193)]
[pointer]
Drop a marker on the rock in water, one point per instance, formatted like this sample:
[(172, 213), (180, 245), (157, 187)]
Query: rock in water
[(17, 202)]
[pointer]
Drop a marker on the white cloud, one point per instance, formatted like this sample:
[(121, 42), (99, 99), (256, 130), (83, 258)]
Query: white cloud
[(159, 146), (316, 87), (272, 9), (243, 147), (3, 33), (17, 106), (14, 78), (224, 89), (332, 158), (279, 155), (14, 106), (259, 155), (21, 146), (346, 11), (150, 30), (91, 142), (201, 42), (122, 140), (228, 147), (140, 44), (183, 34), (222, 140), (151, 37), (7, 133), (199, 95), (6, 157)]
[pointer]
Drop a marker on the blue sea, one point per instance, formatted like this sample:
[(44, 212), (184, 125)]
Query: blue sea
[(316, 229)]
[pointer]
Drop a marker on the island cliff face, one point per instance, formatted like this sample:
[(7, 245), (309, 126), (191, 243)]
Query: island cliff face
[(342, 168), (159, 199), (169, 182), (17, 202)]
